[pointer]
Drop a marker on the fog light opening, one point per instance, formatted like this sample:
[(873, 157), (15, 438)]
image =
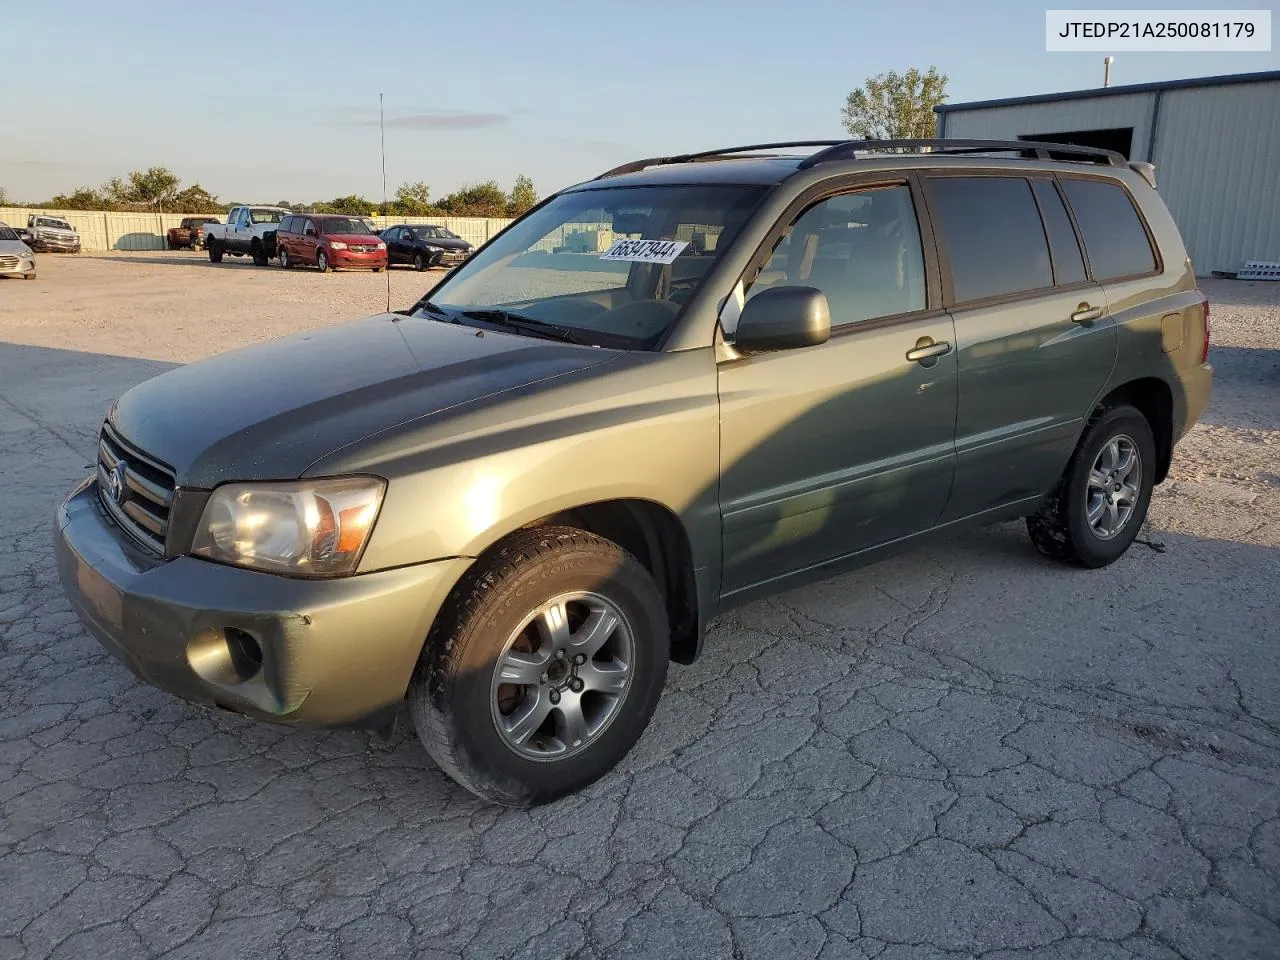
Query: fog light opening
[(246, 653)]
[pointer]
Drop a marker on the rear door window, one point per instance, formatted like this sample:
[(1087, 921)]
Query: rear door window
[(1068, 264), (1113, 233), (994, 240)]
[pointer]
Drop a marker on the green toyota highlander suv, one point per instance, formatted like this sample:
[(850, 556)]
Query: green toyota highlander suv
[(685, 384)]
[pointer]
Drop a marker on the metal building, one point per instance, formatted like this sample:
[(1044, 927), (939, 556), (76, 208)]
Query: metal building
[(1215, 142)]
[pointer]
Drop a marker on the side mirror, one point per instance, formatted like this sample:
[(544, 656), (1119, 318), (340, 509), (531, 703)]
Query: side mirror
[(784, 318)]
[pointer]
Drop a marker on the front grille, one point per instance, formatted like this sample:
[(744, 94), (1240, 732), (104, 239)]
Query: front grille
[(8, 263), (363, 248), (145, 490)]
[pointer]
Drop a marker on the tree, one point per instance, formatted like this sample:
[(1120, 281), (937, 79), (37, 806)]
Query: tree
[(522, 197), (476, 200), (413, 199), (82, 198), (352, 206), (896, 106), (4, 198), (195, 199)]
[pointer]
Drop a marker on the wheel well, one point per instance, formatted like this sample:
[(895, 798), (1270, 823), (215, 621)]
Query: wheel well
[(1154, 401), (656, 537)]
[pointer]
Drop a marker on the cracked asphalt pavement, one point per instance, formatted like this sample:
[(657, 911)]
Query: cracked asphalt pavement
[(965, 750)]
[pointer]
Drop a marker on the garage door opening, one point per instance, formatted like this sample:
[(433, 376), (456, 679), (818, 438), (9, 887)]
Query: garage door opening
[(1119, 139)]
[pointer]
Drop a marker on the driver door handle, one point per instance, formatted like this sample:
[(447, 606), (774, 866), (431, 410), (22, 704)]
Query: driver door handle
[(927, 351), (1086, 314)]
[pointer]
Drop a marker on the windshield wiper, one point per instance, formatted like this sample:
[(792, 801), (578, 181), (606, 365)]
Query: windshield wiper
[(438, 312), (539, 328)]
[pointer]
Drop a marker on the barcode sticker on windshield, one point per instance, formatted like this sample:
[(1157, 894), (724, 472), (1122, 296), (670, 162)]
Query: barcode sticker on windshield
[(645, 251)]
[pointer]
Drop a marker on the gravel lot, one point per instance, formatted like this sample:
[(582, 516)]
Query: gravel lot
[(965, 750)]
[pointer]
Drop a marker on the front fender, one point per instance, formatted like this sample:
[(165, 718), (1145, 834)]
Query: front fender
[(646, 428)]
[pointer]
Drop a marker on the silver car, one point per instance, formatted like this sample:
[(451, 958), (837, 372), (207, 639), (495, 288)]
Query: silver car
[(16, 258)]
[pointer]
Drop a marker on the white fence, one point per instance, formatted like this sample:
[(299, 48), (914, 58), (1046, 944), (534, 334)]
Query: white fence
[(101, 230)]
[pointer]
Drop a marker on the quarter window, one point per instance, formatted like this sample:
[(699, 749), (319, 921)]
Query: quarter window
[(861, 249), (993, 236), (1113, 233), (1068, 265)]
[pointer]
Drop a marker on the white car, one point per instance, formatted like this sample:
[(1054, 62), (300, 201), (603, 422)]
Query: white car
[(16, 258)]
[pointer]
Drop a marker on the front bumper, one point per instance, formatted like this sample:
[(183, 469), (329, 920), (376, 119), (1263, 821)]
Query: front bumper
[(56, 245), (16, 266), (357, 260), (329, 652)]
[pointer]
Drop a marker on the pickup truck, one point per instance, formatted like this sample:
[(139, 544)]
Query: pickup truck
[(248, 231), (52, 234), (190, 233)]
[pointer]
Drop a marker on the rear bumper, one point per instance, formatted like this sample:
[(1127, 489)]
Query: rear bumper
[(1197, 386), (328, 652)]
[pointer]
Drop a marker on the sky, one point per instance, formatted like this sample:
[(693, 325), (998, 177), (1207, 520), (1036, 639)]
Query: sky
[(267, 102)]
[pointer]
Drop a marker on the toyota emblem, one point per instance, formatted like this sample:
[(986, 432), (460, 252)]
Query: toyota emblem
[(115, 482)]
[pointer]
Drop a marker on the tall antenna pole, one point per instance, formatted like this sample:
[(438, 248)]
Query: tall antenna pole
[(382, 127)]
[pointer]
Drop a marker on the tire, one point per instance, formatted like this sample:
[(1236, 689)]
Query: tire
[(377, 269), (259, 254), (458, 706), (29, 276), (322, 261), (285, 262), (1063, 528), (418, 263), (215, 251)]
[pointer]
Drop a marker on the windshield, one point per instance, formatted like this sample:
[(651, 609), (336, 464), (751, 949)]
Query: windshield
[(50, 222), (265, 216), (434, 233), (6, 233), (619, 262), (335, 227)]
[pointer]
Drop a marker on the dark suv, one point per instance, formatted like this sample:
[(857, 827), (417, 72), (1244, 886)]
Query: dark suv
[(688, 383)]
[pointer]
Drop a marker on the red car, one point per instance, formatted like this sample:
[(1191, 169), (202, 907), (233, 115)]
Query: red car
[(331, 242)]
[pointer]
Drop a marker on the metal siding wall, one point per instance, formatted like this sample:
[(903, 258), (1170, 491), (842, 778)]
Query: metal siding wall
[(1218, 165), (1101, 113)]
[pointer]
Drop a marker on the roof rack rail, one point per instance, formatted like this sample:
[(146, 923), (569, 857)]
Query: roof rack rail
[(848, 149), (635, 165), (1041, 149)]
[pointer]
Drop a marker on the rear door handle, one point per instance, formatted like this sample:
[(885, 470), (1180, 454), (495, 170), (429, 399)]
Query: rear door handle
[(1086, 314), (927, 351)]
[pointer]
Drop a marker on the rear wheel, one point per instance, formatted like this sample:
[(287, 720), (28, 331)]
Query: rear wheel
[(543, 668), (215, 251), (322, 261), (1099, 504), (284, 259)]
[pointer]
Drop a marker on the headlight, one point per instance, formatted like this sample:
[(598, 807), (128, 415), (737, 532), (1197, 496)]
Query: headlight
[(304, 528), (337, 244)]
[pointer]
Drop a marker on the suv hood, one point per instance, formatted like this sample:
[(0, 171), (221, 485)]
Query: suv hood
[(270, 411)]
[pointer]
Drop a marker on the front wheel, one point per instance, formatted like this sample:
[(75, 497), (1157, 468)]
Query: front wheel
[(215, 251), (543, 668), (1099, 504), (260, 255), (322, 261)]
